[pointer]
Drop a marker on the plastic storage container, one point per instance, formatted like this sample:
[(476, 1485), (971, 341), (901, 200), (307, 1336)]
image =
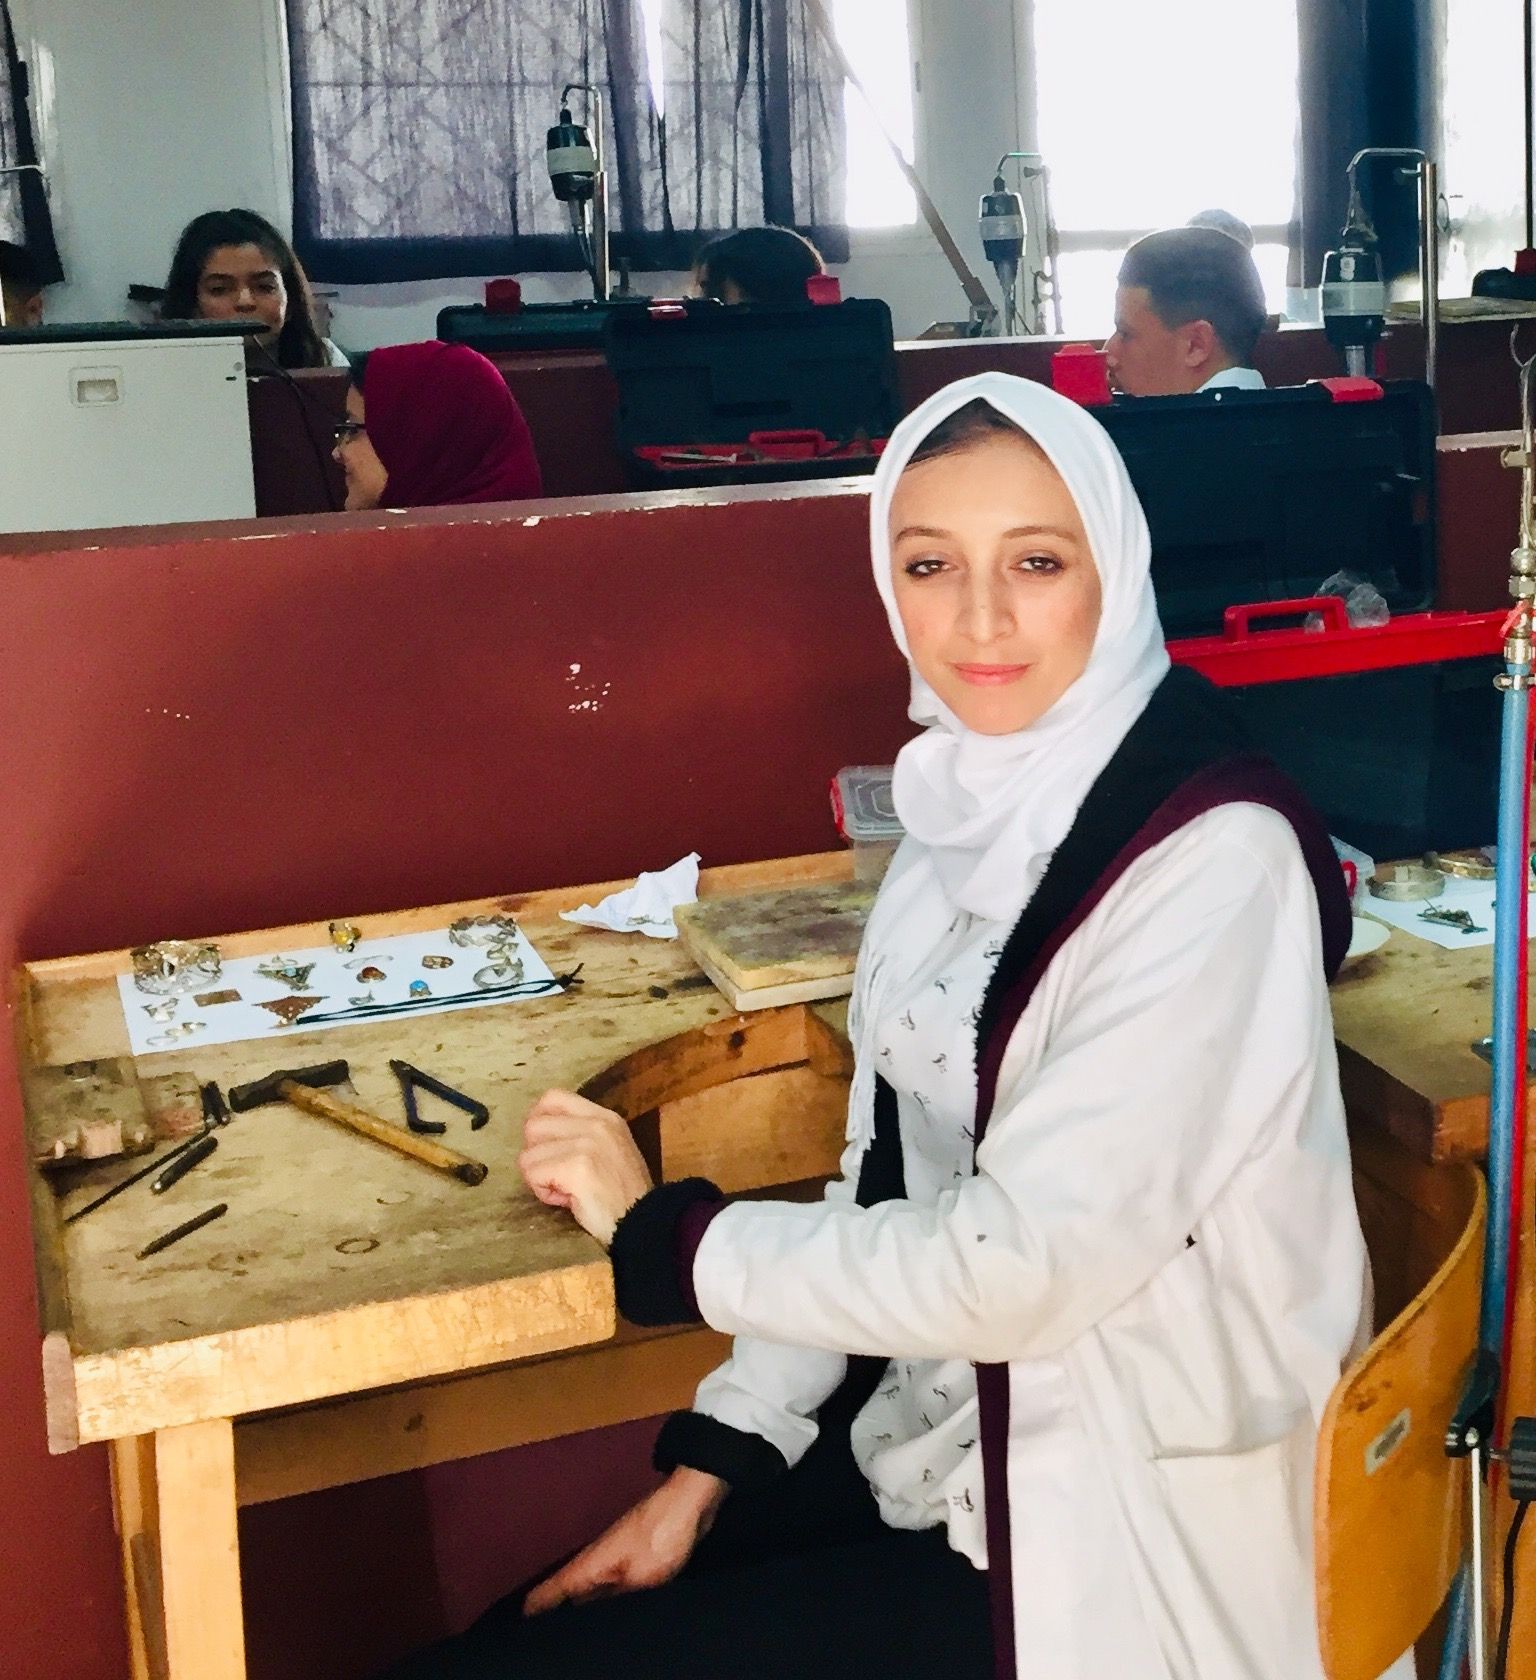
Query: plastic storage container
[(865, 814)]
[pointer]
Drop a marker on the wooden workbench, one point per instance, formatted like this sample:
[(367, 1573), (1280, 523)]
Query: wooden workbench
[(356, 1313)]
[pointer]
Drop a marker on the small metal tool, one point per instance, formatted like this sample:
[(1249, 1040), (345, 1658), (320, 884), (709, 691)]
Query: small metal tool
[(412, 1077), (1450, 918), (207, 1217), (215, 1109), (134, 1178), (184, 1163)]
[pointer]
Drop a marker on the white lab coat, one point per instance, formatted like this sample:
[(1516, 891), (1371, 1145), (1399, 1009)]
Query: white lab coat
[(1173, 1076), (1235, 379)]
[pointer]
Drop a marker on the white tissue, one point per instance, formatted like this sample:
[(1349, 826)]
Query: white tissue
[(647, 906)]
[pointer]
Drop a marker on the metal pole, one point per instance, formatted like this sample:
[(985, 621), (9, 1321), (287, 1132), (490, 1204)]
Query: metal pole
[(602, 279), (1429, 265)]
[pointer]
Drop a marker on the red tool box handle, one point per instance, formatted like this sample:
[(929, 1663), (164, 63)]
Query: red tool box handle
[(1237, 622)]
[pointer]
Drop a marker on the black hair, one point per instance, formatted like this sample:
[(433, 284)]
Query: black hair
[(768, 264), (299, 344), (1200, 274), (18, 271), (975, 423), (358, 362)]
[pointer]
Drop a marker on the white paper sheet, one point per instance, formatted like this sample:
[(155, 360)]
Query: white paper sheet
[(1475, 897), (333, 981)]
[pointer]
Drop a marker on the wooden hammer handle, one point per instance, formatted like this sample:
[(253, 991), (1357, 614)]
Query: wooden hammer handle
[(381, 1131)]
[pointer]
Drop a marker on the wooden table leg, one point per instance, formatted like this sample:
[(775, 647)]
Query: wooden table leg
[(133, 1508), (174, 1494)]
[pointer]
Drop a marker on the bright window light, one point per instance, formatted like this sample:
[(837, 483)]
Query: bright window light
[(1148, 114), (876, 37)]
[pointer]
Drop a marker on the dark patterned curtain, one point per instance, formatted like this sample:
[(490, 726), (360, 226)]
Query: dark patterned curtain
[(419, 129), (24, 215)]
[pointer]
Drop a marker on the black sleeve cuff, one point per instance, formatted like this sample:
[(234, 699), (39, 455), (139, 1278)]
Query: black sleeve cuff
[(746, 1461), (652, 1252)]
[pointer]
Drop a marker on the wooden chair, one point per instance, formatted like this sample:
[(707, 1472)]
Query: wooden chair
[(1390, 1514)]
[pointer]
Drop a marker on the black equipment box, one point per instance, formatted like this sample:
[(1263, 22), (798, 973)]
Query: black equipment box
[(532, 326), (1254, 498), (710, 394)]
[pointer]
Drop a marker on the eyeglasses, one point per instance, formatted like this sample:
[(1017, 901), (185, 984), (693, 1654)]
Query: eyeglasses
[(346, 430)]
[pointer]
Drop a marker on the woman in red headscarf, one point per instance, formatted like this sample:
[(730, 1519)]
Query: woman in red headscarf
[(433, 425)]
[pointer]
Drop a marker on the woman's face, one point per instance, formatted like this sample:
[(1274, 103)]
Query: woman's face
[(242, 283), (994, 580), (367, 477)]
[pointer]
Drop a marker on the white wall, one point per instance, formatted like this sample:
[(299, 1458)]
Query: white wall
[(151, 111)]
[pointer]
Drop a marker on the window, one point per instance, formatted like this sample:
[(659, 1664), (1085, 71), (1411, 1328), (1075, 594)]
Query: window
[(419, 130), (876, 36), (1148, 114)]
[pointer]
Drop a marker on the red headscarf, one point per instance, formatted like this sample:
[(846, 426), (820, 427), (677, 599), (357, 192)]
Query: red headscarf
[(447, 429)]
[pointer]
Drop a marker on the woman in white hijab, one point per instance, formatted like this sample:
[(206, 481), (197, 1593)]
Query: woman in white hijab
[(1092, 1265)]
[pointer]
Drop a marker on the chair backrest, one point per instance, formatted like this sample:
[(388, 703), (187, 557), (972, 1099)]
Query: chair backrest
[(1390, 1507)]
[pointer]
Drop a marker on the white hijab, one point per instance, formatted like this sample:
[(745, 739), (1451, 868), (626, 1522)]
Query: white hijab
[(984, 813)]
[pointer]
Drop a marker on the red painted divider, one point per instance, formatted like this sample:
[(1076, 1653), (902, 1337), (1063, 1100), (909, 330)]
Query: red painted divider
[(210, 728)]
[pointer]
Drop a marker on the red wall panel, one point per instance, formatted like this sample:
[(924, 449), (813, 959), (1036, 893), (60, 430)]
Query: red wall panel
[(223, 727)]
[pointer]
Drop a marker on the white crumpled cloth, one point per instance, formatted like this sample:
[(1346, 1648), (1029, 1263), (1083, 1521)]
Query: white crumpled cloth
[(647, 906)]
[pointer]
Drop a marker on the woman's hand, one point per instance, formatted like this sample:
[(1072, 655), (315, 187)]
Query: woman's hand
[(648, 1545), (579, 1156)]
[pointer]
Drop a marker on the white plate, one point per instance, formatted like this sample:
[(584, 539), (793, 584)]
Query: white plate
[(1365, 937)]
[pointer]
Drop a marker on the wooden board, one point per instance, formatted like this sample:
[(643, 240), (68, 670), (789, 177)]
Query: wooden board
[(1405, 1019), (342, 1266), (767, 949)]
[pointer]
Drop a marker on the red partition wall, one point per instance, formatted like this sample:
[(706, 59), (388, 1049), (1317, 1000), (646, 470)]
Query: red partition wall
[(223, 727)]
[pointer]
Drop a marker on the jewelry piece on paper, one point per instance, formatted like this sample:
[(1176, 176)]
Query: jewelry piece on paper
[(361, 1002), (163, 1011), (176, 1034), (419, 989), (483, 930), (363, 964), (344, 936), (371, 976), (1401, 883), (207, 1000), (500, 971), (174, 966), (1451, 918), (289, 1009), (437, 962), (294, 975)]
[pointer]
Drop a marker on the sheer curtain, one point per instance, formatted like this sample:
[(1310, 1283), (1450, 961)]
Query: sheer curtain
[(419, 130), (24, 215)]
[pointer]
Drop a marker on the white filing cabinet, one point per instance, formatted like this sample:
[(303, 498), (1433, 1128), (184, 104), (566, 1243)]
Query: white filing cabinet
[(117, 425)]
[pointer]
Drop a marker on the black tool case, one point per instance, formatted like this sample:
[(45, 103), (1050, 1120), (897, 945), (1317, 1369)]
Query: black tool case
[(1253, 499), (710, 394)]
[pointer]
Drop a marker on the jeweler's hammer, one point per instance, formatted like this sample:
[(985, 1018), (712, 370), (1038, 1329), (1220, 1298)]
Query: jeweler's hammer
[(302, 1087)]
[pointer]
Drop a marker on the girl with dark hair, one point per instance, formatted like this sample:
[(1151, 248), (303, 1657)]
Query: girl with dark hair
[(757, 265), (233, 265)]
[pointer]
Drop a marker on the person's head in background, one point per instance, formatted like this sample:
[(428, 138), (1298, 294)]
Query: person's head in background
[(1224, 222), (1189, 307), (22, 289), (433, 425), (757, 265), (233, 265)]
